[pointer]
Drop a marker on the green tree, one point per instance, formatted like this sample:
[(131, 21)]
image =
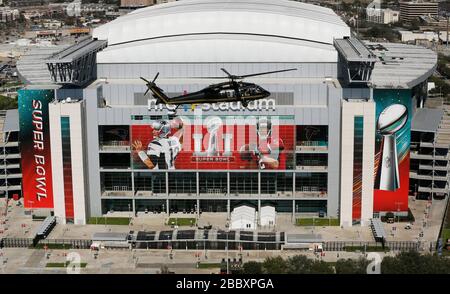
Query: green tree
[(252, 267), (321, 267), (299, 264), (441, 86), (7, 103), (351, 266), (275, 265), (414, 263)]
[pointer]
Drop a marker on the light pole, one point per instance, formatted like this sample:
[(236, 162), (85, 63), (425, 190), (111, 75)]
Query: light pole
[(169, 246), (227, 252), (204, 248), (130, 217)]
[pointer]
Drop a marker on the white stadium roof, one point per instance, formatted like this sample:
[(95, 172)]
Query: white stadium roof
[(401, 65), (223, 31)]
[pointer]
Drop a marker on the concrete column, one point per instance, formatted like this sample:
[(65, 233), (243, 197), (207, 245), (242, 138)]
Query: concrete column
[(197, 181), (259, 211), (167, 193), (167, 184), (132, 188), (293, 184), (293, 211), (259, 185), (228, 184), (198, 208), (132, 183)]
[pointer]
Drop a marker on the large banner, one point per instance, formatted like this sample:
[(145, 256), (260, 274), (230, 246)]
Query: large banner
[(213, 142), (35, 148), (393, 137)]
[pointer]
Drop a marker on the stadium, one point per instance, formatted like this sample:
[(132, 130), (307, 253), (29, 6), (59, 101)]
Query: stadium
[(331, 139)]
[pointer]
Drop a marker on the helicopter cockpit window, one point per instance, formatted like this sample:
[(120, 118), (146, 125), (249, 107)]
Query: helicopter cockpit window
[(227, 93)]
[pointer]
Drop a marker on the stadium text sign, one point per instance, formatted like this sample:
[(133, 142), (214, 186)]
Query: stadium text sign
[(261, 104)]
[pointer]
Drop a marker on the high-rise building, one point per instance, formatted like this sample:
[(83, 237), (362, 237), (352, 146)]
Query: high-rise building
[(410, 11)]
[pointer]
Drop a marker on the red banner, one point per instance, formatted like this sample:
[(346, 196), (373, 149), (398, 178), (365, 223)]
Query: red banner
[(219, 146)]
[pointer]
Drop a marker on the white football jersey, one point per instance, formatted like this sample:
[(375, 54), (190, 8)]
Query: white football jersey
[(163, 152)]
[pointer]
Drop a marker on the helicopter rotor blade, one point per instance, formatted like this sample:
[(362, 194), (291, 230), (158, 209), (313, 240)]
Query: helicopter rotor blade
[(155, 77), (265, 73), (145, 80), (221, 78), (234, 77), (225, 71), (146, 92)]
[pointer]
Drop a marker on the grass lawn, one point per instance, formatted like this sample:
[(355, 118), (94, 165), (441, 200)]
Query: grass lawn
[(368, 248), (52, 246), (209, 265), (321, 222), (64, 264), (182, 221), (445, 235), (124, 221)]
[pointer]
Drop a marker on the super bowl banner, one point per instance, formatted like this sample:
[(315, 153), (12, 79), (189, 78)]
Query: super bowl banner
[(393, 136), (213, 142), (35, 148)]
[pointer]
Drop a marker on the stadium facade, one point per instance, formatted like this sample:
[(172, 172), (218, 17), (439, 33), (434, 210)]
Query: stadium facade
[(332, 138)]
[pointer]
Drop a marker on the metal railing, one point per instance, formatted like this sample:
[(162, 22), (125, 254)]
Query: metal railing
[(230, 244), (28, 242)]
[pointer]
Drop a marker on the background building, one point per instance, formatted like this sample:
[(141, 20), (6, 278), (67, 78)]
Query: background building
[(410, 36), (430, 143), (411, 11), (7, 14), (25, 3), (10, 172), (327, 125), (382, 16), (135, 3)]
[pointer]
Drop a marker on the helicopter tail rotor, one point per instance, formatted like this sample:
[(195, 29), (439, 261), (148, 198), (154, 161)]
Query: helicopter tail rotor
[(156, 76), (149, 84)]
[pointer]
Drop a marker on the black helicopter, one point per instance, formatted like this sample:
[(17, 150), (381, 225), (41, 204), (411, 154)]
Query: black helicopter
[(231, 91)]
